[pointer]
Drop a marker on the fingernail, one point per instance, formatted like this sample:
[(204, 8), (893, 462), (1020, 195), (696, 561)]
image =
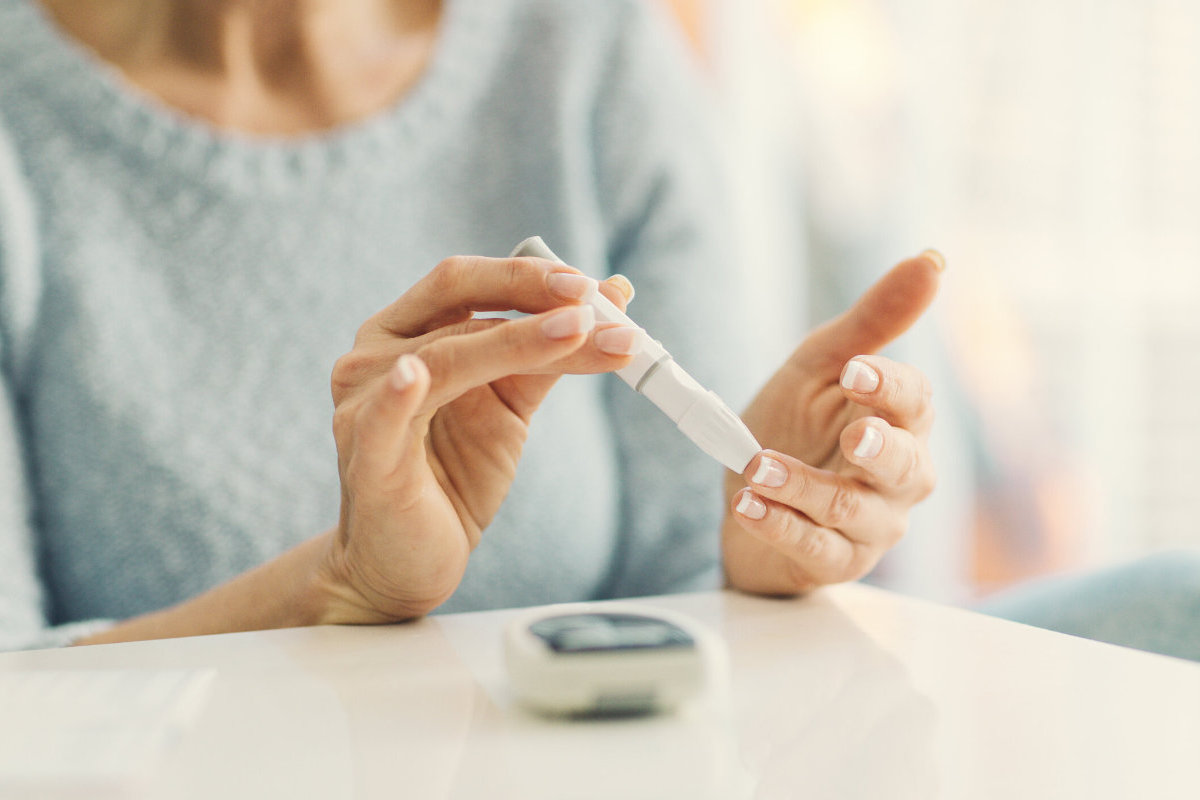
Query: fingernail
[(751, 507), (858, 377), (937, 258), (404, 372), (569, 322), (770, 473), (620, 341), (870, 444), (570, 285), (622, 283)]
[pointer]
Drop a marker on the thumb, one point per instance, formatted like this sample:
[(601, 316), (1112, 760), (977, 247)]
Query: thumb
[(882, 314)]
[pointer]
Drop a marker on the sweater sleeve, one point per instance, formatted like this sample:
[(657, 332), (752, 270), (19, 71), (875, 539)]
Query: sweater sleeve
[(662, 188), (23, 598)]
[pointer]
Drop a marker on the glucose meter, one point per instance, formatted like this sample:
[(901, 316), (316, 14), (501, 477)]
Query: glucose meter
[(605, 659)]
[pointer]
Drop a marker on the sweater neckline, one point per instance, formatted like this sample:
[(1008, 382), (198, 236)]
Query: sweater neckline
[(67, 72)]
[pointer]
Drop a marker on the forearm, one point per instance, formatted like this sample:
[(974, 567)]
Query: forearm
[(292, 590)]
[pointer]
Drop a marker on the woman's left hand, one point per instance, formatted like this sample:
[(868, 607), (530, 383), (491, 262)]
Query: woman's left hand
[(855, 429)]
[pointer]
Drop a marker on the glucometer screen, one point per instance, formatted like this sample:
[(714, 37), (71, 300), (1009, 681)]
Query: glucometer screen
[(590, 633)]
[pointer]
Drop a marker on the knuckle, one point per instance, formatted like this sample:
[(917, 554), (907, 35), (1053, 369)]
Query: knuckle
[(911, 470), (842, 507), (467, 326), (926, 388), (349, 372), (447, 274), (800, 485), (808, 544), (894, 391), (518, 270), (441, 359)]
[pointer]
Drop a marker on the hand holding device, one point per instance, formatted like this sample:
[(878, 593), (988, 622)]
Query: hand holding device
[(432, 407)]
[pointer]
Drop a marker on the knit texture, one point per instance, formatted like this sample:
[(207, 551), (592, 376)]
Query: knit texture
[(173, 298)]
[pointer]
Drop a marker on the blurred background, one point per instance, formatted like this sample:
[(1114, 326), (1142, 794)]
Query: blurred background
[(1051, 150)]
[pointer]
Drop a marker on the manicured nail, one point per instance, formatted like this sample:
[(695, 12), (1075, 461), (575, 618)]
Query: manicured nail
[(858, 377), (404, 372), (569, 322), (622, 283), (770, 473), (570, 285), (751, 507), (619, 341), (937, 258), (870, 444)]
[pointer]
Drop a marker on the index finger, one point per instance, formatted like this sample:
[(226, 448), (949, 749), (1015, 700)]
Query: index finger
[(886, 310), (462, 285)]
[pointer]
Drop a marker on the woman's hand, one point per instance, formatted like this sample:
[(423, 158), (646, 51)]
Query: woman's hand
[(432, 407), (855, 428)]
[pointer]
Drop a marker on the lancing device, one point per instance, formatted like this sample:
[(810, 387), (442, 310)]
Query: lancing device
[(698, 412)]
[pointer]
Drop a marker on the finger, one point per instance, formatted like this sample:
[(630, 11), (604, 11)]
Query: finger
[(368, 361), (460, 363), (460, 286), (819, 554), (608, 346), (825, 498), (892, 460), (885, 311), (899, 393), (383, 424)]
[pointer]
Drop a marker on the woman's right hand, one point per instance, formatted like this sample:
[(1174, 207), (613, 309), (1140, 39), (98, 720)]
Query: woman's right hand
[(432, 407)]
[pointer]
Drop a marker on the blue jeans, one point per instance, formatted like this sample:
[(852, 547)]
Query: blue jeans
[(1151, 604)]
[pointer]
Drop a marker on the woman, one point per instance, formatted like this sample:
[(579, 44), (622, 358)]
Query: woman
[(204, 199)]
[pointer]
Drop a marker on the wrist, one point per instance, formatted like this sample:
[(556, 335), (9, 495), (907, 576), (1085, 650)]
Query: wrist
[(334, 598)]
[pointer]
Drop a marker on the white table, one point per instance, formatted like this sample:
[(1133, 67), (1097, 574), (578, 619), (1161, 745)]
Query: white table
[(849, 693)]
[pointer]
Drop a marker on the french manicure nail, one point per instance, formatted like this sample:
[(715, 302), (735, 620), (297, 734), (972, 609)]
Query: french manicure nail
[(870, 444), (622, 283), (570, 285), (770, 473), (937, 258), (751, 507), (403, 373), (569, 322), (620, 341), (858, 377)]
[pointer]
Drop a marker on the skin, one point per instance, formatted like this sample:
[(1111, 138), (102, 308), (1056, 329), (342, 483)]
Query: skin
[(834, 513), (267, 67), (432, 404)]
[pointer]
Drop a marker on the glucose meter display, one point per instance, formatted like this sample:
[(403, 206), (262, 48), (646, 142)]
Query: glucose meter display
[(589, 633)]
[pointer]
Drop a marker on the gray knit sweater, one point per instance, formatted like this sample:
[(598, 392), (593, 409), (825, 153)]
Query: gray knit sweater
[(172, 299)]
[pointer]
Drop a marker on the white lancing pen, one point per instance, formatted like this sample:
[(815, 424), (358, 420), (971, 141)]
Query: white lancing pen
[(699, 413)]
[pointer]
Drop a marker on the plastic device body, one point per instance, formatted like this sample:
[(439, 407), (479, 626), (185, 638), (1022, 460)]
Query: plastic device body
[(607, 659), (700, 414)]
